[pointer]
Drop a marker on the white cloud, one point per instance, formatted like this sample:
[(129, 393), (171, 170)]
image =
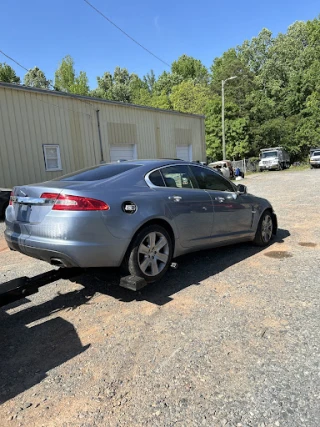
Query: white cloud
[(156, 22)]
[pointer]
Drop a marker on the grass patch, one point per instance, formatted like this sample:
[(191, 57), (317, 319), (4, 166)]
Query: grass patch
[(302, 167)]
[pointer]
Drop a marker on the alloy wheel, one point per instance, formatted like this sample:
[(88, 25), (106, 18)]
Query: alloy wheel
[(153, 253), (266, 228)]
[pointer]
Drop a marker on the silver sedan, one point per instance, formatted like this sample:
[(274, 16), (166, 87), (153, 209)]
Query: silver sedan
[(137, 214)]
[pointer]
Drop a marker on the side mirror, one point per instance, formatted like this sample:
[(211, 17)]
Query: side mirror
[(242, 189)]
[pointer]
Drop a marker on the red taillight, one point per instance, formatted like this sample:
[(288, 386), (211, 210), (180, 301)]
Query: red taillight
[(10, 203), (65, 202)]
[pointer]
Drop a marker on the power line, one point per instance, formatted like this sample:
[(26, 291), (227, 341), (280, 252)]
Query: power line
[(126, 34), (11, 59), (16, 62)]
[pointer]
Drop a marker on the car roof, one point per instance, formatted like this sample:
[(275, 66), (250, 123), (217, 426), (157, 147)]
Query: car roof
[(155, 162)]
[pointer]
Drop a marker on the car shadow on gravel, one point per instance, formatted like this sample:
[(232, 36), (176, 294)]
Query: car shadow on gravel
[(192, 270), (27, 353), (29, 350)]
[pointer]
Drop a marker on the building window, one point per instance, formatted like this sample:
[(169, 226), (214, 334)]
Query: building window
[(52, 157)]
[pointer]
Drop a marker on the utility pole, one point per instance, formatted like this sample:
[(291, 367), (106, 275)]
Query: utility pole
[(222, 116)]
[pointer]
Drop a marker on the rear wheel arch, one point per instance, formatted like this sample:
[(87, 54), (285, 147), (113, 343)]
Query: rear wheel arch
[(156, 221), (150, 251)]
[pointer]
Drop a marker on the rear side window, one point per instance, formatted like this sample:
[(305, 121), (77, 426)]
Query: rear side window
[(98, 173), (156, 179), (178, 176)]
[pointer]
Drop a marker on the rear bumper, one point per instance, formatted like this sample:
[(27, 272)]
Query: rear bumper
[(315, 163), (50, 256), (70, 254)]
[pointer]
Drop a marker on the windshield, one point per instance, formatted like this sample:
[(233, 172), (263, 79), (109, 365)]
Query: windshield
[(269, 154), (316, 153)]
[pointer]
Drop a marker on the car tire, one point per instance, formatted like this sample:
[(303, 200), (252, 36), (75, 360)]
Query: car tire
[(150, 253), (265, 230)]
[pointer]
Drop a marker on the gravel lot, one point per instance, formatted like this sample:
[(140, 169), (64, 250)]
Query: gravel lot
[(231, 338)]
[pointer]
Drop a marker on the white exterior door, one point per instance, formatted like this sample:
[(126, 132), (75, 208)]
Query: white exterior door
[(123, 152), (184, 152)]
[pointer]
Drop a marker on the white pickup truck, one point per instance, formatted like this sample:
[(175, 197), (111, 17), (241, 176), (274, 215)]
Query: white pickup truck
[(315, 158), (274, 159)]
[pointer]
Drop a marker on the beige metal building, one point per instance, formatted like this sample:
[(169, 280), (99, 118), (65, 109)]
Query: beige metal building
[(45, 134)]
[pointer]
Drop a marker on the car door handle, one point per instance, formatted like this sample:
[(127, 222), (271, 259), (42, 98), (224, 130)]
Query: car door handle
[(219, 199), (175, 198)]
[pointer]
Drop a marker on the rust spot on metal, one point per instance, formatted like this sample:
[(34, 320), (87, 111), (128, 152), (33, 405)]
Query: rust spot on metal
[(308, 244), (278, 254)]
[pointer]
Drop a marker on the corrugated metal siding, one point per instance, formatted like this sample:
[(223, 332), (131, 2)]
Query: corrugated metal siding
[(29, 119)]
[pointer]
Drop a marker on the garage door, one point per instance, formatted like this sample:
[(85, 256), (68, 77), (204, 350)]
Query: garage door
[(122, 152), (184, 152)]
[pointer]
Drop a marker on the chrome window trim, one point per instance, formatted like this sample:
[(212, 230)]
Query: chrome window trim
[(151, 185), (217, 173)]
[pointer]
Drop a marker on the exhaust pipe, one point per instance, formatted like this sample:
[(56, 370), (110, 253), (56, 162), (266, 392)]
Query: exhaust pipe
[(57, 262)]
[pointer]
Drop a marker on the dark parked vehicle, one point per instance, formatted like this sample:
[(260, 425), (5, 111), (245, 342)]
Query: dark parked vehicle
[(135, 214), (4, 201)]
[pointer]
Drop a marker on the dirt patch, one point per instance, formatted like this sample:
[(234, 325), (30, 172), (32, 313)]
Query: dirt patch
[(3, 245), (183, 304), (308, 244), (278, 254)]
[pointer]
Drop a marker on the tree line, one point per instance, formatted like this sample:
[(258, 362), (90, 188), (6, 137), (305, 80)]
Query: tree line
[(274, 99)]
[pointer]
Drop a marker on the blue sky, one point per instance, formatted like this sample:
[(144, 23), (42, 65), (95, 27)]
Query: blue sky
[(41, 33)]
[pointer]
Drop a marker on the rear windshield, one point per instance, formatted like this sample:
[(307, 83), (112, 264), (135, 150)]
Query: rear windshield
[(97, 173)]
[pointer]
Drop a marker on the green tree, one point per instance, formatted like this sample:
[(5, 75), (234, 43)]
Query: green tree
[(213, 129), (161, 101), (7, 74), (188, 97), (144, 97), (135, 86), (104, 89), (166, 82), (65, 75), (236, 90), (149, 80), (36, 78), (119, 86), (255, 53), (188, 67), (81, 84), (236, 131), (67, 81), (120, 90)]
